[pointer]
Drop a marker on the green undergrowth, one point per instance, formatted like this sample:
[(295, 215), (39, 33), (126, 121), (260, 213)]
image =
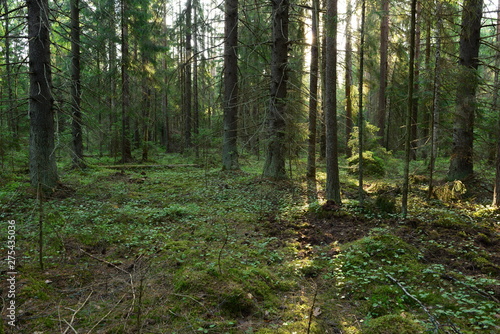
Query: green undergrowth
[(190, 249)]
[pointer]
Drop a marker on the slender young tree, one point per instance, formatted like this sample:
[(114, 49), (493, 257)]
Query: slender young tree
[(332, 154), (126, 148), (274, 166), (496, 106), (384, 49), (461, 162), (43, 168), (313, 93), (360, 103), (76, 86), (434, 117), (230, 148), (348, 79), (188, 95), (411, 74)]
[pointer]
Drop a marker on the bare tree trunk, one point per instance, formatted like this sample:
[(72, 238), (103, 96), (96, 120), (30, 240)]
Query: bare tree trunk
[(461, 162), (384, 48), (411, 74), (348, 79), (126, 149), (274, 166), (496, 106), (43, 169), (76, 86), (230, 140), (313, 93), (332, 154), (196, 100), (415, 103), (360, 104), (188, 126), (434, 123)]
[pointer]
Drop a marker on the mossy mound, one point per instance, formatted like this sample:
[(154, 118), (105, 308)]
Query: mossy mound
[(393, 324), (372, 165)]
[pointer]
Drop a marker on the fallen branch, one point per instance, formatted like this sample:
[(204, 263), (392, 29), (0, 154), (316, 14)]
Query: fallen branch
[(120, 269), (426, 310), (75, 312)]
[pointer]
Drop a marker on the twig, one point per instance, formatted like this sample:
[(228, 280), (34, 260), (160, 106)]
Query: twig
[(106, 315), (120, 269), (311, 312), (222, 248), (431, 317), (75, 313)]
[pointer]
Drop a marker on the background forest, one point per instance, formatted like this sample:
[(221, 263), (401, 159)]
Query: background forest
[(251, 167)]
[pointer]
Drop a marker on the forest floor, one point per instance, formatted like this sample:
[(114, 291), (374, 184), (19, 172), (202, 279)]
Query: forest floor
[(190, 249)]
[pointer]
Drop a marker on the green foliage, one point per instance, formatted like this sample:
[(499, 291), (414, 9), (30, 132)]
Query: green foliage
[(372, 165)]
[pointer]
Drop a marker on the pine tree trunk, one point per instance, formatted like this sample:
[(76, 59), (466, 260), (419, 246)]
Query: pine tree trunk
[(274, 166), (43, 169), (332, 154), (461, 163), (230, 147), (313, 93)]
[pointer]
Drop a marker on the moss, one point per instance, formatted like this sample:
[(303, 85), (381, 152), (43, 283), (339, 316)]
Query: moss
[(386, 203), (392, 324), (372, 165)]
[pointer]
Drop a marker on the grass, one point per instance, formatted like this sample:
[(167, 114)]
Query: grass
[(196, 250)]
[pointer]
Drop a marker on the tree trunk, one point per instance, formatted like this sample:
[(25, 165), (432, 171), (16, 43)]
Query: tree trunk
[(332, 154), (384, 48), (313, 93), (434, 123), (274, 166), (416, 79), (76, 86), (411, 74), (496, 106), (348, 79), (43, 168), (461, 163), (196, 100), (230, 145), (189, 82), (360, 103), (126, 149)]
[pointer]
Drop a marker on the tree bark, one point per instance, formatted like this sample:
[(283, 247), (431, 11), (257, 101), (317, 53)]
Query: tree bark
[(360, 103), (461, 163), (348, 79), (313, 93), (274, 166), (76, 86), (434, 116), (496, 106), (43, 168), (126, 149), (384, 48), (230, 146), (411, 74), (188, 78), (332, 154)]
